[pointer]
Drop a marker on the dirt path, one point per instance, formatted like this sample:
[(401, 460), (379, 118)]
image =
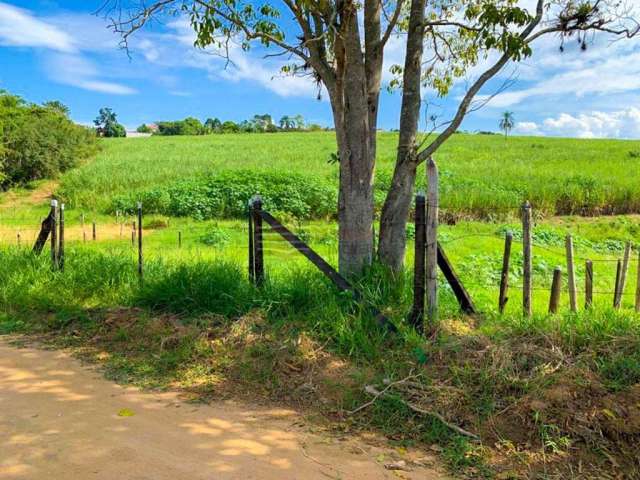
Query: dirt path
[(61, 420)]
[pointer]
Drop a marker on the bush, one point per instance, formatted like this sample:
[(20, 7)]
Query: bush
[(227, 195), (38, 141), (188, 126)]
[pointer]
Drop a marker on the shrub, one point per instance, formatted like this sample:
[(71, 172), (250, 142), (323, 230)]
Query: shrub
[(227, 195), (38, 141), (216, 237)]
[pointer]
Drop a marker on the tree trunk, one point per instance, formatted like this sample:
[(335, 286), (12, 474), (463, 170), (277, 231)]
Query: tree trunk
[(356, 147), (395, 212)]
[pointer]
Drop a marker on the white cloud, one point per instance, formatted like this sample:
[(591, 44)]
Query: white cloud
[(594, 124), (76, 71), (527, 128), (65, 62), (617, 124), (19, 28)]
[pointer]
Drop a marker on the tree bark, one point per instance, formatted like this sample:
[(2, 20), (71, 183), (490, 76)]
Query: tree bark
[(395, 212), (356, 147)]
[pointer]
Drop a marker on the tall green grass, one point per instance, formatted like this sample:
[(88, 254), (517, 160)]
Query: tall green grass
[(480, 175)]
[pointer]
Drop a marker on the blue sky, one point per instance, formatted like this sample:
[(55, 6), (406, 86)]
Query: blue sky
[(60, 50)]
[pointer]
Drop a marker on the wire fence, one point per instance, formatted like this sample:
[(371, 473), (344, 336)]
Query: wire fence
[(477, 256)]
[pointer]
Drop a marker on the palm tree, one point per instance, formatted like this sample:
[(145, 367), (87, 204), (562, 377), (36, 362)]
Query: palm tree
[(507, 122)]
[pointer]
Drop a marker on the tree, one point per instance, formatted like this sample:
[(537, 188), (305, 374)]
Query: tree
[(213, 125), (299, 122), (506, 123), (342, 44), (57, 106), (230, 127), (107, 124), (261, 122), (286, 122), (144, 128)]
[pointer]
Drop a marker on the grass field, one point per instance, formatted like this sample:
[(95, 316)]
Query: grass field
[(196, 323), (481, 175)]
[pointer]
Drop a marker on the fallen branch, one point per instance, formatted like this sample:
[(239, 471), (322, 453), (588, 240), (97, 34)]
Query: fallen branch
[(377, 394), (371, 390)]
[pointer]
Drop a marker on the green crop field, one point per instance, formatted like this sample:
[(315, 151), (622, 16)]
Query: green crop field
[(195, 321), (480, 174)]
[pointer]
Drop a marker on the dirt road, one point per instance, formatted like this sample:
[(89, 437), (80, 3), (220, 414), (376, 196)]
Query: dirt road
[(61, 420)]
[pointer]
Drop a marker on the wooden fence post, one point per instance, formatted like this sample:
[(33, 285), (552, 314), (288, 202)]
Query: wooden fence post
[(252, 265), (623, 275), (179, 239), (588, 284), (140, 240), (556, 287), (54, 233), (93, 232), (616, 287), (527, 267), (258, 254), (417, 313), (61, 239), (638, 286), (504, 276), (18, 238), (431, 256), (571, 273)]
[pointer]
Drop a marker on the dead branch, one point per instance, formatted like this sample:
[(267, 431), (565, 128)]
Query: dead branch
[(372, 390)]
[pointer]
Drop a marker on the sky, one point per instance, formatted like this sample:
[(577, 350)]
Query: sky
[(61, 50)]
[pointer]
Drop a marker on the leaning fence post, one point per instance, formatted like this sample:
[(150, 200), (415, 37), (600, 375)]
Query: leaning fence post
[(504, 276), (556, 286), (417, 313), (258, 254), (54, 233), (588, 284), (616, 287), (527, 267), (623, 275), (61, 239), (573, 294), (140, 240), (431, 258)]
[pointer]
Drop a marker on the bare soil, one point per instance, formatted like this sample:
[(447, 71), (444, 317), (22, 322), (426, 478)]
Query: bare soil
[(62, 420)]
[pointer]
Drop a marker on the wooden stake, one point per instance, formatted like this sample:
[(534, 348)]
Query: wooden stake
[(18, 238), (504, 276), (140, 240), (258, 256), (556, 287), (623, 275), (573, 294), (417, 313), (431, 256), (588, 284), (54, 233), (61, 239), (93, 234), (617, 285), (252, 251), (179, 239), (527, 267)]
